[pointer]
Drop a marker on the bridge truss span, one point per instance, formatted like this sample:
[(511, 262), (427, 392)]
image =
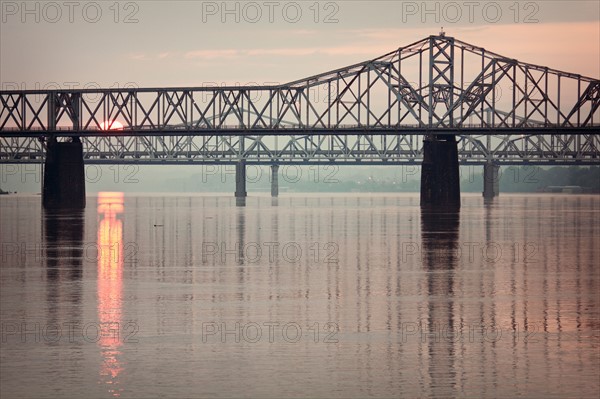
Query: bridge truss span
[(437, 82), (505, 149), (376, 111)]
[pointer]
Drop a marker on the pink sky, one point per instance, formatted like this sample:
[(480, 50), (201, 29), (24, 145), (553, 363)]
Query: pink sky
[(171, 46)]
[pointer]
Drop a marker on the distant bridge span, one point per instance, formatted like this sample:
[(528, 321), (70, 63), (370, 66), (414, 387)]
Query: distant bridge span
[(363, 149)]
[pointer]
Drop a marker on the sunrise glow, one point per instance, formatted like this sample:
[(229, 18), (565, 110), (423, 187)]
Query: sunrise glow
[(111, 125)]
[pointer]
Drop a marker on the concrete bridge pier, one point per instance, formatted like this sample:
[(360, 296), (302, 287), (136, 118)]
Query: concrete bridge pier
[(274, 180), (240, 179), (64, 175), (491, 180), (440, 177)]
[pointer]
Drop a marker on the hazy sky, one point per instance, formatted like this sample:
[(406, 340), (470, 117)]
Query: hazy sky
[(195, 43)]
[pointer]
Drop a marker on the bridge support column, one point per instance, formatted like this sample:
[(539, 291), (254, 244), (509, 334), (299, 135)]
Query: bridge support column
[(64, 175), (240, 179), (274, 180), (491, 180), (440, 178)]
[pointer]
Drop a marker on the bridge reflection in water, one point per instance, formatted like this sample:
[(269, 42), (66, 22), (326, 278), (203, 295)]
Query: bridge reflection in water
[(110, 286), (513, 313), (439, 329)]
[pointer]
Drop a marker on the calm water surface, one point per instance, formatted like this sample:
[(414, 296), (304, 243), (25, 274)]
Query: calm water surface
[(320, 296)]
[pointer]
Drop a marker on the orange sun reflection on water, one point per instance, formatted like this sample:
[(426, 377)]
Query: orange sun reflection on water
[(110, 284)]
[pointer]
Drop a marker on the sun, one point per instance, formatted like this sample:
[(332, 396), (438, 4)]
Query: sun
[(111, 125)]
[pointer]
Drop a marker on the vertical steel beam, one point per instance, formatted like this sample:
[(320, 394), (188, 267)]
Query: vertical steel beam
[(275, 180)]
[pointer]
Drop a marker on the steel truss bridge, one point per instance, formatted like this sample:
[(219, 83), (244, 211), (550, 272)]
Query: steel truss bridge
[(375, 112)]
